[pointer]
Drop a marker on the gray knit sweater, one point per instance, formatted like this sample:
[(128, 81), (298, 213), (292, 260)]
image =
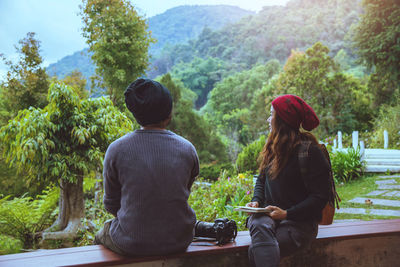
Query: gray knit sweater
[(147, 180)]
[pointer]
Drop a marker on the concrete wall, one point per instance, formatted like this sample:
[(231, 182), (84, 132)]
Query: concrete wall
[(352, 252)]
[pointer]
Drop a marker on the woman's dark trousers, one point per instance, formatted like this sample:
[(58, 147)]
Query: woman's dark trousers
[(272, 240)]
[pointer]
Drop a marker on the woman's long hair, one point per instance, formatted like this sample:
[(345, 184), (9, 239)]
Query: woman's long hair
[(280, 145)]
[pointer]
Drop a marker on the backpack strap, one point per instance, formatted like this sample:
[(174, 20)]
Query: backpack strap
[(303, 155), (334, 197)]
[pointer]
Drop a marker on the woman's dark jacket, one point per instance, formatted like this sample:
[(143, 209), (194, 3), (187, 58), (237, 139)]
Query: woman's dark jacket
[(302, 197)]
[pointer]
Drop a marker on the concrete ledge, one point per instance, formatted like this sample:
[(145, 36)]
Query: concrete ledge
[(372, 243)]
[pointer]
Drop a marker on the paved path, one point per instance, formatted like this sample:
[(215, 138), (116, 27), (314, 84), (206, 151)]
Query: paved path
[(387, 196)]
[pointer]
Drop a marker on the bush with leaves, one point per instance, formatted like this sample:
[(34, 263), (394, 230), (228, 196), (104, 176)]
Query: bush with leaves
[(23, 218), (388, 119), (247, 159), (10, 245), (346, 165), (219, 199), (213, 170), (62, 143)]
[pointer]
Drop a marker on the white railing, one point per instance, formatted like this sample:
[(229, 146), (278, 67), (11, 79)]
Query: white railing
[(377, 160)]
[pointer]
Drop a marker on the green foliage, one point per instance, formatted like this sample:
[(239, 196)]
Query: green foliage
[(236, 106), (388, 119), (79, 61), (346, 165), (64, 140), (187, 123), (191, 21), (119, 40), (9, 245), (95, 217), (219, 199), (21, 218), (341, 102), (213, 171), (26, 82), (77, 82), (376, 40), (272, 33), (173, 27), (200, 75), (247, 159)]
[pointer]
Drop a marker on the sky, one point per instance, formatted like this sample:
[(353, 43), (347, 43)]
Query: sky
[(57, 23)]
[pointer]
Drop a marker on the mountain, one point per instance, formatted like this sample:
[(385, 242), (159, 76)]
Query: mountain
[(270, 34), (182, 23), (77, 61), (176, 25)]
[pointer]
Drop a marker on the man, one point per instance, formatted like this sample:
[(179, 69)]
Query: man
[(147, 179)]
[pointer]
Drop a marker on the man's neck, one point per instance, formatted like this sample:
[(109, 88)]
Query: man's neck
[(152, 128)]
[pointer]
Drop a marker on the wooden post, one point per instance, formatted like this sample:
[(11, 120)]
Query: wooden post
[(385, 139), (340, 144), (355, 139)]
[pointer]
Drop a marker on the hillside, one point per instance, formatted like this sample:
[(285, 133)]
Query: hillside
[(77, 61), (176, 25), (182, 23), (271, 34)]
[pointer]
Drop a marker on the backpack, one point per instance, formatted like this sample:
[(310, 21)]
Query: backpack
[(333, 199)]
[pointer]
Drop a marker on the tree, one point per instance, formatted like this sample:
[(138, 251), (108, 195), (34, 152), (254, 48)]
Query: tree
[(62, 143), (236, 106), (200, 75), (26, 82), (76, 80), (119, 40), (376, 39), (340, 101), (189, 124)]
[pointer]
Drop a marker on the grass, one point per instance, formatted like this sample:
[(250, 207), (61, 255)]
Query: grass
[(360, 188)]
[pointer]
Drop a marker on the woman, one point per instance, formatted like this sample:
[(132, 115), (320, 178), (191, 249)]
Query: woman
[(295, 202)]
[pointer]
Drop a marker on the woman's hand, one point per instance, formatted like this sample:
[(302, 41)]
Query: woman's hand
[(277, 213), (253, 204)]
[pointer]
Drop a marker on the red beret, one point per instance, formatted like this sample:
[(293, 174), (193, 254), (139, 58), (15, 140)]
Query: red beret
[(294, 111)]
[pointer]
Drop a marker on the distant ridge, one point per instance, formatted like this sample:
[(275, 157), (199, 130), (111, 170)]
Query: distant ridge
[(77, 61), (182, 23), (176, 25)]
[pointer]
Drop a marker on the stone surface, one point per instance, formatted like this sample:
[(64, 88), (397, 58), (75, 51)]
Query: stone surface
[(386, 186), (386, 181), (392, 194), (382, 202), (378, 212), (388, 176), (378, 192), (351, 211), (346, 220)]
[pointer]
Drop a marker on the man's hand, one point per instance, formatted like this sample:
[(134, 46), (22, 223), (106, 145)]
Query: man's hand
[(277, 213)]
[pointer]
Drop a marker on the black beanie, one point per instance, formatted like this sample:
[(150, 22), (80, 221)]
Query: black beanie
[(149, 101)]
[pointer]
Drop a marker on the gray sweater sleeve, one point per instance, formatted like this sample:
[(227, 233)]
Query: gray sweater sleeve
[(112, 186), (195, 170)]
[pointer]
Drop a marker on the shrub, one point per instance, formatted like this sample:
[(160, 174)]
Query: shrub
[(9, 245), (346, 165), (388, 119), (219, 199), (212, 171), (247, 159), (21, 218)]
